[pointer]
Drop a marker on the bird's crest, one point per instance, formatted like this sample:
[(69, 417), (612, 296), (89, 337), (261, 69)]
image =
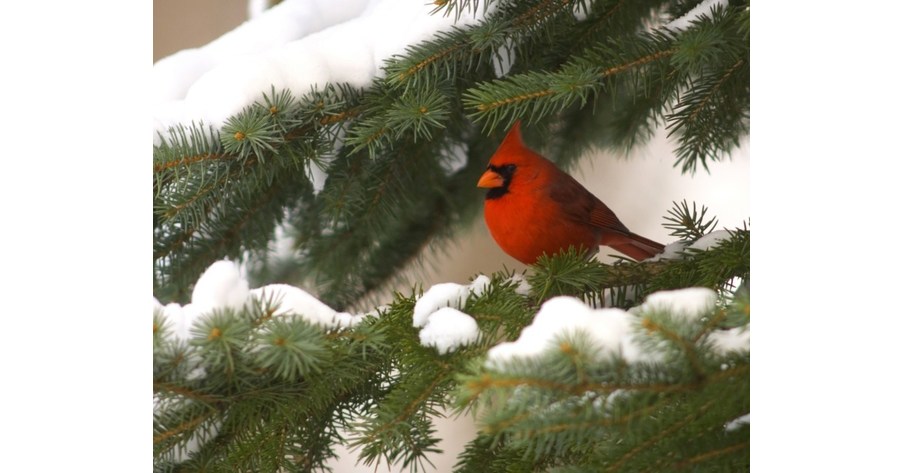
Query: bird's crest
[(511, 148)]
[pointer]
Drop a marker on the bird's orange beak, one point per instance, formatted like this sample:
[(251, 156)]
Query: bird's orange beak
[(490, 179)]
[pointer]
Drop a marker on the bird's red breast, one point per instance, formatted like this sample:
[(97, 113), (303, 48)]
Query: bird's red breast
[(532, 207)]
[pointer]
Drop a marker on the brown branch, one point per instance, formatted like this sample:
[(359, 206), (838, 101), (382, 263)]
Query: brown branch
[(341, 116), (710, 325), (483, 107), (329, 119), (534, 15), (520, 98), (577, 389), (714, 453), (686, 347), (639, 62), (486, 382), (430, 60), (183, 391), (158, 167), (187, 425), (605, 422), (540, 12)]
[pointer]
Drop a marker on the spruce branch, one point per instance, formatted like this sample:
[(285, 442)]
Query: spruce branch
[(182, 428), (188, 160), (616, 466), (688, 224), (396, 388), (467, 49), (713, 111), (539, 94), (607, 415), (625, 283), (712, 454), (459, 7)]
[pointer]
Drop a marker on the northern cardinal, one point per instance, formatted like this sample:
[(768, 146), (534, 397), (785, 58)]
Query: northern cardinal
[(532, 207)]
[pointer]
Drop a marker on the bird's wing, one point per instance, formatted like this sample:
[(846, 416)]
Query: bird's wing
[(582, 206)]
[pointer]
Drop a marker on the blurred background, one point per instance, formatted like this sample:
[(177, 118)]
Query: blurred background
[(181, 24), (639, 188)]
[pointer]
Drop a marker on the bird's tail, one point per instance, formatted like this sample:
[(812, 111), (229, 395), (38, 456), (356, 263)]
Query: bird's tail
[(636, 246)]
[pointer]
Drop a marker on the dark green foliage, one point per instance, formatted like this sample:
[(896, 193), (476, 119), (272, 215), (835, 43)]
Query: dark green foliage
[(581, 412), (713, 113), (360, 181), (262, 392), (688, 224), (267, 392)]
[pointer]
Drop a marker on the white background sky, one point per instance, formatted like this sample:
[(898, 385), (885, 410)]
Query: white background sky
[(76, 220)]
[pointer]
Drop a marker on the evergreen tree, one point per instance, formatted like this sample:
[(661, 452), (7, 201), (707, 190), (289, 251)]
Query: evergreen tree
[(254, 390)]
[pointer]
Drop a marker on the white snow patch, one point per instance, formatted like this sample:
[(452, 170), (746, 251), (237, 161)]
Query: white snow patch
[(446, 295), (725, 341), (220, 287), (479, 285), (609, 329), (690, 303), (438, 296), (701, 10), (179, 319), (318, 176), (737, 423), (297, 44), (523, 286), (612, 330), (289, 20), (283, 245), (671, 251), (455, 160), (291, 300), (629, 295), (256, 7), (447, 329), (711, 240), (503, 59), (173, 75), (581, 11)]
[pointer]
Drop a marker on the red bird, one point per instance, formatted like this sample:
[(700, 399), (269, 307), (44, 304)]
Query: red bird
[(532, 207)]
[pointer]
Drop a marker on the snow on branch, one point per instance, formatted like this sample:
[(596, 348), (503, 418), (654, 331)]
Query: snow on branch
[(699, 11), (563, 316), (295, 45), (447, 329), (673, 250), (446, 295), (614, 331), (222, 287), (444, 326)]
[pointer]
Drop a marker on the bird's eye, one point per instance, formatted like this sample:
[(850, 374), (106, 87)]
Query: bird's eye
[(505, 170)]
